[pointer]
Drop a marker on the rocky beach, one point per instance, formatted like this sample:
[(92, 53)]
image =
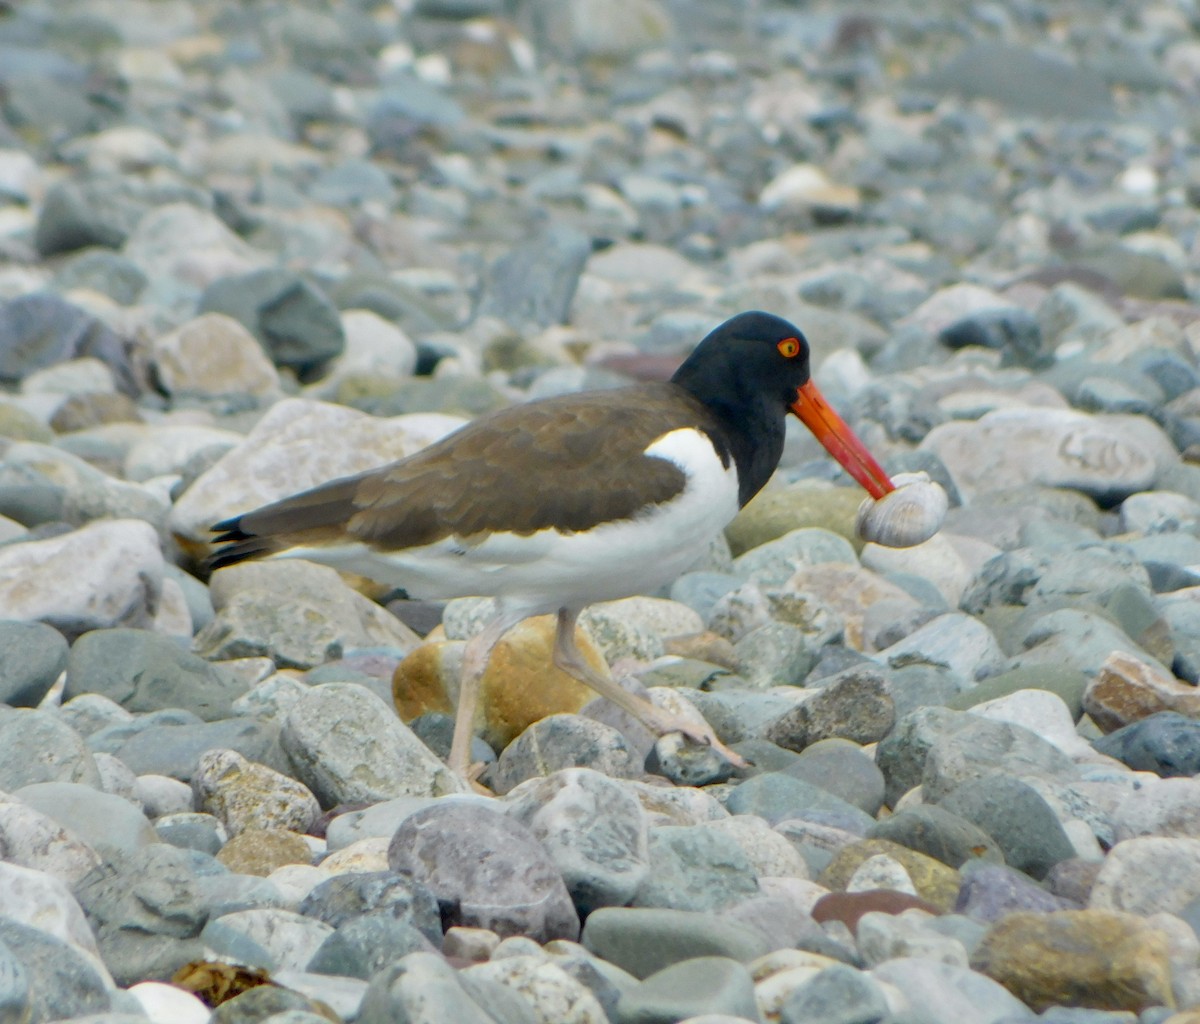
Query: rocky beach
[(246, 248)]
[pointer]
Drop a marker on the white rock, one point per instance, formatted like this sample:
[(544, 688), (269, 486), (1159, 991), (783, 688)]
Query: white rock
[(769, 853), (804, 187), (555, 995), (1149, 875), (167, 1004), (374, 346), (72, 376), (160, 794), (213, 355), (1042, 712), (106, 574), (35, 840), (881, 872), (166, 448)]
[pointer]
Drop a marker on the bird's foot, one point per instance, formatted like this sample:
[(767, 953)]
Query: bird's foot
[(707, 738)]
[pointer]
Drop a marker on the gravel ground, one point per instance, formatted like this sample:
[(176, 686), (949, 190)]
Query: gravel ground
[(245, 248)]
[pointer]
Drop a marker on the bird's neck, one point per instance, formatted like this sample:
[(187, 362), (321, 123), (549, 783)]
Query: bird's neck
[(748, 427)]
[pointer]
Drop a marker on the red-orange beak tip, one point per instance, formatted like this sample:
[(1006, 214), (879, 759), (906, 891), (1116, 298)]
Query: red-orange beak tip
[(839, 440)]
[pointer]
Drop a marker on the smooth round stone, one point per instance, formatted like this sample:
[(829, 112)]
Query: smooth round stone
[(778, 796), (168, 1003), (173, 748), (213, 355), (840, 767), (849, 908), (46, 978), (42, 901), (700, 591), (36, 746), (770, 854), (405, 988), (32, 655), (1117, 962), (838, 992), (563, 741), (932, 830), (267, 1003), (685, 763), (259, 851), (1147, 875), (1052, 447), (99, 270), (245, 795), (295, 321), (190, 831), (947, 994), (274, 940), (346, 898), (1166, 743), (701, 985), (364, 946), (775, 512), (486, 869), (773, 563), (854, 705), (1044, 714), (883, 937), (111, 825), (644, 940), (34, 840), (901, 755), (695, 868), (594, 829), (145, 671), (105, 574), (533, 283), (373, 756), (1017, 817), (1067, 683), (992, 891), (958, 642)]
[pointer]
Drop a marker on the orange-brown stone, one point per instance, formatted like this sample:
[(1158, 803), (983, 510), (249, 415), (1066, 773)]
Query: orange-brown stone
[(425, 679), (1127, 689)]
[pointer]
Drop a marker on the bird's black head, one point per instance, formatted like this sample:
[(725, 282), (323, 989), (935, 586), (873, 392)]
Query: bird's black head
[(750, 372), (751, 359)]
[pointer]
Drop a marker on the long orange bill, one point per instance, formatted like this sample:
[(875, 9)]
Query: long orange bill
[(840, 441)]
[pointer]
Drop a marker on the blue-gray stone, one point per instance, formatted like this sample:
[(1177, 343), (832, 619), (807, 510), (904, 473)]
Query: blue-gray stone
[(643, 940), (841, 768), (533, 283), (778, 796), (161, 748), (1012, 330), (346, 898), (1017, 817), (695, 868), (32, 655), (38, 746), (362, 947), (56, 979), (294, 320), (932, 830), (704, 985), (1166, 743), (836, 995), (146, 671)]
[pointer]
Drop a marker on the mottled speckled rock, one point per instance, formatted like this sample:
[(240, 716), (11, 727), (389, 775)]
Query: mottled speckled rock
[(594, 830), (486, 869), (695, 869), (349, 747), (856, 705), (244, 795), (564, 741)]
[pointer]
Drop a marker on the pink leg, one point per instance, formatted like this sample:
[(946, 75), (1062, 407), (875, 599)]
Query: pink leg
[(568, 657)]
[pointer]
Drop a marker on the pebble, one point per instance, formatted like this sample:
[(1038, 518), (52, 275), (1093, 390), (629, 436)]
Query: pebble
[(515, 890), (373, 224)]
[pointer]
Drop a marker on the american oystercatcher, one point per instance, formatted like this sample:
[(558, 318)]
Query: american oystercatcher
[(556, 504)]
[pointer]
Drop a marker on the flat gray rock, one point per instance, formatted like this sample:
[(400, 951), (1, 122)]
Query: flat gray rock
[(37, 746), (702, 985), (146, 671), (32, 655)]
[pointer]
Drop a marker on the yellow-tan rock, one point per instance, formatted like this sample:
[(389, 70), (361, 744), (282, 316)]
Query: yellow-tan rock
[(1099, 959), (933, 880)]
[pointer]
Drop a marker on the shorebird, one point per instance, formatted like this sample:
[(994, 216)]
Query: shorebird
[(555, 504)]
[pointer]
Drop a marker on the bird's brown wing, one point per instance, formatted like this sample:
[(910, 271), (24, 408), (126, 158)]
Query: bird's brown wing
[(571, 462)]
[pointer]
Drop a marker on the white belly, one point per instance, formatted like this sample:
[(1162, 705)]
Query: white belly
[(549, 569)]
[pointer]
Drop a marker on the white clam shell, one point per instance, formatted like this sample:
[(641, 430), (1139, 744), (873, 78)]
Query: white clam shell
[(907, 516)]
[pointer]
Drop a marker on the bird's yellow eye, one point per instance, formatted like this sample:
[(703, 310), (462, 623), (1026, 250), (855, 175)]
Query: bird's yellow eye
[(789, 348)]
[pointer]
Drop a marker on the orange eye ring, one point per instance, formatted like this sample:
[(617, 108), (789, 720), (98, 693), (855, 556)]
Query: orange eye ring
[(789, 348)]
